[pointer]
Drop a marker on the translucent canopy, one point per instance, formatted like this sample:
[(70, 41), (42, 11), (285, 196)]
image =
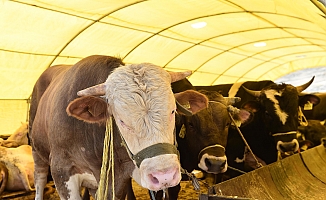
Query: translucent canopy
[(221, 41)]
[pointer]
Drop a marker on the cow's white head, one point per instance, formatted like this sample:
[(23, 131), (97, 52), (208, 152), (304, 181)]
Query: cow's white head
[(140, 99)]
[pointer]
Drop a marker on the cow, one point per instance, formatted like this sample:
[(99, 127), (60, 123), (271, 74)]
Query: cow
[(18, 138), (199, 134), (313, 134), (70, 106), (16, 168), (201, 137), (313, 105), (275, 123)]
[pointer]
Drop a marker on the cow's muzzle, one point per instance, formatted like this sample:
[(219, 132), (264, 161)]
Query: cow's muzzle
[(286, 142), (212, 159)]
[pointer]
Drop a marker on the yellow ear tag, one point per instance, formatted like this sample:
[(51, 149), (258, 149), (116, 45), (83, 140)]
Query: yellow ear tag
[(308, 106), (182, 132), (237, 123)]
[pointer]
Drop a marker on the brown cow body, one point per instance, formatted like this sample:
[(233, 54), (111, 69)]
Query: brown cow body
[(140, 99)]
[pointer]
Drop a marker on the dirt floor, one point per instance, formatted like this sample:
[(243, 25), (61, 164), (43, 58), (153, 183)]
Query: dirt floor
[(187, 193)]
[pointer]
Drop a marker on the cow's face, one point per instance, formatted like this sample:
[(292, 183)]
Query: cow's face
[(280, 106), (206, 133), (280, 114), (140, 99)]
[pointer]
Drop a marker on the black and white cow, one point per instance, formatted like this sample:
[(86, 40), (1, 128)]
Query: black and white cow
[(275, 123)]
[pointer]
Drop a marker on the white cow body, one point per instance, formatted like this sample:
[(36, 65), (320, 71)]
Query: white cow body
[(19, 137), (20, 165)]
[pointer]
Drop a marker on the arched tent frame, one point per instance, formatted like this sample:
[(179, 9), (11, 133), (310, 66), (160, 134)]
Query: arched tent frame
[(37, 34)]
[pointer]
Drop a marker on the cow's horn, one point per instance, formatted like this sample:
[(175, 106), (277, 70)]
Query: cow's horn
[(304, 86), (176, 76), (252, 92), (232, 100), (96, 90)]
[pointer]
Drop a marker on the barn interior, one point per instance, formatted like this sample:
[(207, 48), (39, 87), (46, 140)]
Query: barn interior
[(221, 41)]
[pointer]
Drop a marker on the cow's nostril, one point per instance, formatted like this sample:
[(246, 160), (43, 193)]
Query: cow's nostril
[(282, 148), (223, 165), (294, 146), (153, 179), (208, 163)]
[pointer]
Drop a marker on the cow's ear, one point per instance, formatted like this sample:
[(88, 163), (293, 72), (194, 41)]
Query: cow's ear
[(240, 116), (245, 116), (89, 109), (308, 98), (252, 106), (192, 100)]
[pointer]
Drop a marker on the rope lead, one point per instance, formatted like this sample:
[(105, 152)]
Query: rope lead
[(103, 189), (246, 143)]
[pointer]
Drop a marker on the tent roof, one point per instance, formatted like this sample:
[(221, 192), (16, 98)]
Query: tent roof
[(36, 34)]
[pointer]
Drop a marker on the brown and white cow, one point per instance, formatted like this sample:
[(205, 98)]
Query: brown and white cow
[(140, 99)]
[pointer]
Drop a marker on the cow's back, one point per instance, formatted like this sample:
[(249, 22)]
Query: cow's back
[(53, 130), (40, 86)]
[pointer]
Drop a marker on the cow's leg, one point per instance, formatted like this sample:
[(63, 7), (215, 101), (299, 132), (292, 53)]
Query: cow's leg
[(122, 182), (40, 175), (128, 192), (92, 192), (174, 192), (69, 183)]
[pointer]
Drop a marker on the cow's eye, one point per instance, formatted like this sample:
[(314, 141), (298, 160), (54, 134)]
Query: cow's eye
[(191, 125), (173, 111), (123, 124), (267, 114)]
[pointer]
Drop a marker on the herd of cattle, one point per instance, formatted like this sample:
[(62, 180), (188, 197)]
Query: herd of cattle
[(162, 125)]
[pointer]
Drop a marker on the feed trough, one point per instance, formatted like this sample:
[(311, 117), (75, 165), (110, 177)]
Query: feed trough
[(300, 176)]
